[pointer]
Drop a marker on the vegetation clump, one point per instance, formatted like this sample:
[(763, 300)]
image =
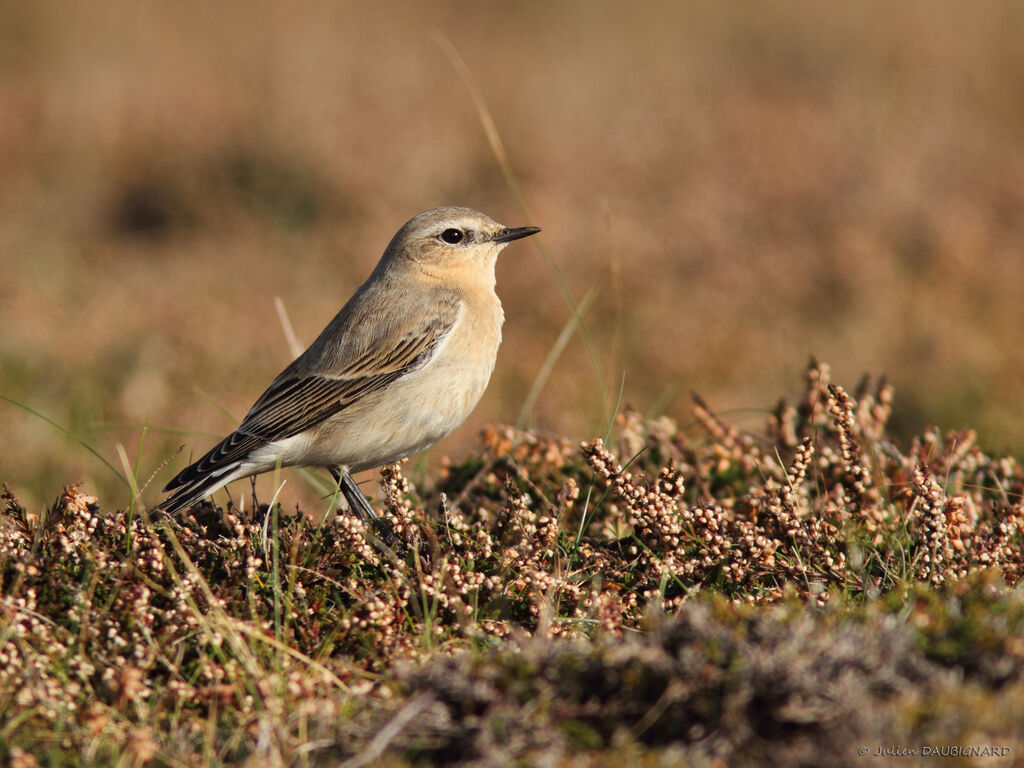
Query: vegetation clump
[(710, 594)]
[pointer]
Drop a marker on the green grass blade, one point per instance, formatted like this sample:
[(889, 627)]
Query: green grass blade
[(68, 433), (552, 358)]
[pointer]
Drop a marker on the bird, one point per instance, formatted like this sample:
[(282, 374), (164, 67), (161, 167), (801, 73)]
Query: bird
[(401, 365)]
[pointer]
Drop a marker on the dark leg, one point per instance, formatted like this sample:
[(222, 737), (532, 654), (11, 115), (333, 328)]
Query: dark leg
[(359, 504)]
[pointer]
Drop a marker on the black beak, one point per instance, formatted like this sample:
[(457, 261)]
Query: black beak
[(508, 235)]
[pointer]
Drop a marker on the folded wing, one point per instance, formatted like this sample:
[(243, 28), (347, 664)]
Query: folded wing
[(297, 401)]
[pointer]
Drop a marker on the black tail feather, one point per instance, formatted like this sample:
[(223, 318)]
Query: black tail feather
[(189, 494)]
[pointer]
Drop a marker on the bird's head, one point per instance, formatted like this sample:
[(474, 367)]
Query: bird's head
[(453, 239)]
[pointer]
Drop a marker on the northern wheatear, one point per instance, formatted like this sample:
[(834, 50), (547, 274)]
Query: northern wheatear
[(397, 369)]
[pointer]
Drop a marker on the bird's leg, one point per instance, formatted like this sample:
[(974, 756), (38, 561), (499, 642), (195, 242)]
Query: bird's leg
[(361, 506)]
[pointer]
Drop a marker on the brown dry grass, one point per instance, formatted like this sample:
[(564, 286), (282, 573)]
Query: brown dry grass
[(742, 188)]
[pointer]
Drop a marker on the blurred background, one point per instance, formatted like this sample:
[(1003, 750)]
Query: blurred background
[(739, 191)]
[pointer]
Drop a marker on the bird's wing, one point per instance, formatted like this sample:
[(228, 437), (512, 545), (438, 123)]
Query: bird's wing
[(293, 404), (298, 400)]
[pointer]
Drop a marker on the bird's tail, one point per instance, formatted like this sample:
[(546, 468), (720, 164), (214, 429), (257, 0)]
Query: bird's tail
[(195, 488)]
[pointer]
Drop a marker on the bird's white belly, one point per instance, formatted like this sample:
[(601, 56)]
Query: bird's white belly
[(421, 411)]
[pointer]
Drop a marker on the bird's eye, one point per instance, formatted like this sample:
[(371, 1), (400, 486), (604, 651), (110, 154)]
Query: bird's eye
[(452, 236)]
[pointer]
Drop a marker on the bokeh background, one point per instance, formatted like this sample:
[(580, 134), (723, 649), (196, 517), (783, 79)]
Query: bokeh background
[(741, 186)]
